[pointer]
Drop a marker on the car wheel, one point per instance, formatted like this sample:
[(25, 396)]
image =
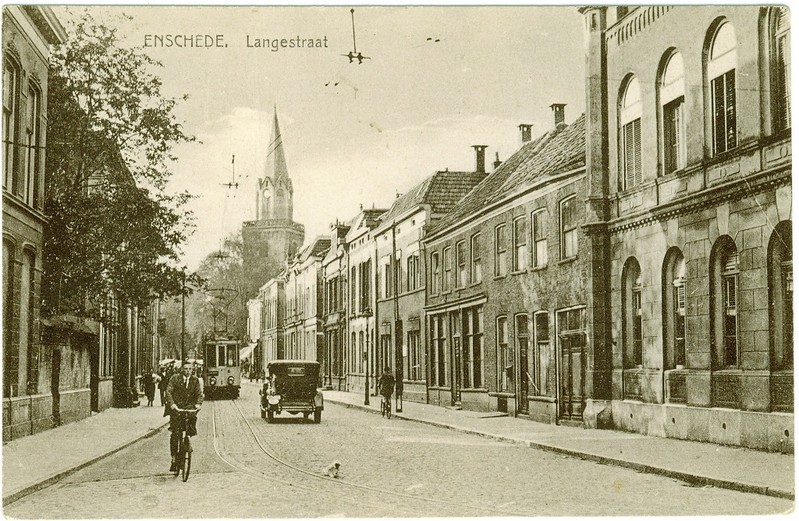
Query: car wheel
[(305, 415), (317, 416)]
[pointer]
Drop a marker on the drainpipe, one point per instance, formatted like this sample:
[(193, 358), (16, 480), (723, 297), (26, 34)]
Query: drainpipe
[(397, 338)]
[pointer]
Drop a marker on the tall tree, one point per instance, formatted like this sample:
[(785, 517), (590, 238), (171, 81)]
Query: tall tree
[(113, 226)]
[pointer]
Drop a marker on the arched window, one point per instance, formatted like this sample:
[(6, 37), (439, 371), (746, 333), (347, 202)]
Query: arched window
[(724, 303), (10, 116), (780, 272), (674, 309), (630, 134), (722, 61), (780, 31), (632, 309), (672, 101)]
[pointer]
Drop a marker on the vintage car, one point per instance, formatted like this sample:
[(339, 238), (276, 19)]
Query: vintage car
[(292, 386)]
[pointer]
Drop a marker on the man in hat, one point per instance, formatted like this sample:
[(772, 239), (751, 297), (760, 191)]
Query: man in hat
[(182, 392)]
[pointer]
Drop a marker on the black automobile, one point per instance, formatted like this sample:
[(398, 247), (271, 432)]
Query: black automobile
[(292, 386)]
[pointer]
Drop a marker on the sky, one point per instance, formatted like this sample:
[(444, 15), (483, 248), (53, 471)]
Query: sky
[(353, 134)]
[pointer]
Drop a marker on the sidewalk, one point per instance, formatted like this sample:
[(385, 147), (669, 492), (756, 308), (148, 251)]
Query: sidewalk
[(34, 462), (698, 463)]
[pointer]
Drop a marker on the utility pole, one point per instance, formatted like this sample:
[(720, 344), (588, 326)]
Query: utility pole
[(183, 319)]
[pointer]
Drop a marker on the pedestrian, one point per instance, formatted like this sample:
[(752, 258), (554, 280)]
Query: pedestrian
[(148, 382), (262, 376), (163, 381)]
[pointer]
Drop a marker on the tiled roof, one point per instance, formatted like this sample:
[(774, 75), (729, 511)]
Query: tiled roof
[(441, 191), (553, 153)]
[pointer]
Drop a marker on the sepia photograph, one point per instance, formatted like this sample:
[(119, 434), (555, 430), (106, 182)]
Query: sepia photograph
[(398, 261)]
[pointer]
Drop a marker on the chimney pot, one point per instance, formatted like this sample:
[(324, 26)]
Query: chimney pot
[(497, 162), (480, 158), (527, 132), (559, 109)]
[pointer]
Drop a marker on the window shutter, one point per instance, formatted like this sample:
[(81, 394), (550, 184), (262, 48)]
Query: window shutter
[(784, 80), (729, 87), (717, 86), (628, 156), (637, 150)]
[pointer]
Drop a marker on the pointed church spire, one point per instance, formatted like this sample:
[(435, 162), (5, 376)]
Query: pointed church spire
[(275, 156)]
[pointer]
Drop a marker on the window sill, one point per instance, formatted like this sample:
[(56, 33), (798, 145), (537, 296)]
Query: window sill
[(538, 268), (475, 284), (518, 272), (568, 260), (497, 277)]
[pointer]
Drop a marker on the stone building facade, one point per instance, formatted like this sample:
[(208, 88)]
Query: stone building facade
[(28, 34), (273, 297), (689, 165)]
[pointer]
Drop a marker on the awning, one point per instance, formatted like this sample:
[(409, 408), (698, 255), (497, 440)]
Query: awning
[(246, 351), (72, 323)]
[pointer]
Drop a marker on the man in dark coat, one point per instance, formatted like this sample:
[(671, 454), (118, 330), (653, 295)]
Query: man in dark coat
[(182, 392)]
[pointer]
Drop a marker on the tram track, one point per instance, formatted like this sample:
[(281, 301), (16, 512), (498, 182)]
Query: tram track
[(376, 496)]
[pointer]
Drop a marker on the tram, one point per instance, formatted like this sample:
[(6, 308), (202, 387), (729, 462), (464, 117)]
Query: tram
[(221, 370)]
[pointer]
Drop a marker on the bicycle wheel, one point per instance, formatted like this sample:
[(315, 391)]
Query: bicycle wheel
[(178, 458), (186, 466)]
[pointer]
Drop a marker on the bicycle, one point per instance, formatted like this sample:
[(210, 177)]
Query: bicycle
[(385, 406), (183, 455)]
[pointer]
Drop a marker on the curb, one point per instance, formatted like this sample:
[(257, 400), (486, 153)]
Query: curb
[(693, 479), (58, 476)]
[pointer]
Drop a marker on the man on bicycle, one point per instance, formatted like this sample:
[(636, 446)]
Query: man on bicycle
[(386, 384), (182, 392)]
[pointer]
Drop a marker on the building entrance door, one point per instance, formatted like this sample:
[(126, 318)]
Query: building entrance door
[(523, 372), (572, 376), (458, 356)]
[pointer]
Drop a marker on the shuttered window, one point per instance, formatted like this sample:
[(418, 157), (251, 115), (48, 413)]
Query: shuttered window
[(632, 153), (674, 136), (725, 133), (781, 59)]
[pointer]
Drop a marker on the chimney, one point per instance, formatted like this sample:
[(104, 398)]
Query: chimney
[(497, 162), (480, 158), (560, 114), (527, 132)]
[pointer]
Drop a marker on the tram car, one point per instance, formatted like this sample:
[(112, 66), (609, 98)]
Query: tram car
[(221, 369)]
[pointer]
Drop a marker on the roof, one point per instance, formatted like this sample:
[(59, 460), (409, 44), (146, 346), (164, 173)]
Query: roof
[(553, 153), (441, 191)]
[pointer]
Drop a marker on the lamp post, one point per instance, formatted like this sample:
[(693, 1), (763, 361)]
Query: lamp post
[(183, 319)]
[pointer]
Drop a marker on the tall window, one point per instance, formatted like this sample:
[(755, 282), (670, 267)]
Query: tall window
[(724, 303), (447, 258), (10, 101), (520, 244), (672, 99), (503, 355), (438, 350), (674, 309), (9, 367), (568, 228), (539, 239), (414, 366), (633, 332), (477, 263), (387, 277), (435, 272), (32, 152), (542, 348), (781, 67), (500, 251), (353, 291), (473, 346), (721, 75), (780, 271), (630, 134), (413, 272), (526, 364), (460, 255)]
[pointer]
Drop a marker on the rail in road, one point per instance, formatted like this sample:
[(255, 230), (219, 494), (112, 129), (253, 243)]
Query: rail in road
[(279, 471)]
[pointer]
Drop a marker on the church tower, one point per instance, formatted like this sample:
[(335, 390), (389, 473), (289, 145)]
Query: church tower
[(273, 236)]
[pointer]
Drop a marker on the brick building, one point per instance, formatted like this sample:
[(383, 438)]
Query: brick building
[(28, 34), (303, 320), (334, 315), (689, 176), (400, 270), (361, 302), (506, 307)]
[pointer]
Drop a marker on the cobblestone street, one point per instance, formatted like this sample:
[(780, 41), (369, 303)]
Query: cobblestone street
[(390, 468)]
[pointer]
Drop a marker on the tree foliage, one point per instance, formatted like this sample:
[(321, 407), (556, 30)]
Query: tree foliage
[(113, 226)]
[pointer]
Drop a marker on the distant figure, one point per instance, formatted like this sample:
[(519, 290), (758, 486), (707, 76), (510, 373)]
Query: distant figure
[(386, 383), (163, 381), (262, 376), (148, 382)]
